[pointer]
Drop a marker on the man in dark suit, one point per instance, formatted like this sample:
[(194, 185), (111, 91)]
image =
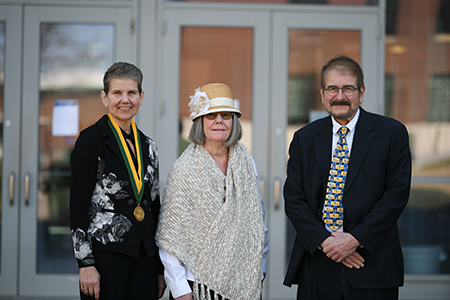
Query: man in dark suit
[(347, 244)]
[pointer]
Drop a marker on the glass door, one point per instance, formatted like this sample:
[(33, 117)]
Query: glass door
[(229, 46), (66, 52), (221, 46), (303, 42)]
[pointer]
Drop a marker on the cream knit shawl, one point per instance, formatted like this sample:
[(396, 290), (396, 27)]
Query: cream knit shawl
[(220, 242)]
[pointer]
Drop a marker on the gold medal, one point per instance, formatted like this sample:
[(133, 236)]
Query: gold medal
[(139, 213)]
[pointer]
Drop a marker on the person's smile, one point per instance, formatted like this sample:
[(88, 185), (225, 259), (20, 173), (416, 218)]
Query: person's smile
[(123, 100)]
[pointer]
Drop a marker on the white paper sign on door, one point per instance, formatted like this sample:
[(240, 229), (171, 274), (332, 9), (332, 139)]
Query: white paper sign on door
[(65, 117)]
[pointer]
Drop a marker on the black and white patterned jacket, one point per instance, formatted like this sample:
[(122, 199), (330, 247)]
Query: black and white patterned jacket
[(102, 199)]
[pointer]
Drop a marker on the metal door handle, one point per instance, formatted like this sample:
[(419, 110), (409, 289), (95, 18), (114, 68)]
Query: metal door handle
[(276, 193), (11, 188), (27, 189), (261, 187)]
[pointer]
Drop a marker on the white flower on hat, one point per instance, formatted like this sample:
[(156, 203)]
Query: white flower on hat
[(199, 103)]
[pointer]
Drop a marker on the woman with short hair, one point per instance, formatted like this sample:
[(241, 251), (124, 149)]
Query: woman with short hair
[(114, 197)]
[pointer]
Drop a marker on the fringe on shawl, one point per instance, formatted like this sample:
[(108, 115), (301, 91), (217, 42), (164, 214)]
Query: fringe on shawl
[(205, 292)]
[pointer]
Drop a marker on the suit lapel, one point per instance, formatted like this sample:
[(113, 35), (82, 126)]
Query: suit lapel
[(363, 139), (322, 147), (110, 139)]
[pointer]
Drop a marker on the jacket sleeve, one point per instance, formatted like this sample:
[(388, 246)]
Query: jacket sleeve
[(379, 222), (85, 164), (310, 229)]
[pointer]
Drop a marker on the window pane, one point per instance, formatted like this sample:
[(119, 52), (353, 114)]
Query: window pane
[(308, 52), (418, 94), (73, 58), (222, 55)]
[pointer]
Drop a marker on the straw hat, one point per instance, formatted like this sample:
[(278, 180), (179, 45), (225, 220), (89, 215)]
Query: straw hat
[(210, 98)]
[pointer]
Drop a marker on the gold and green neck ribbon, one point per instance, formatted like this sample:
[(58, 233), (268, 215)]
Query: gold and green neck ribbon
[(136, 178)]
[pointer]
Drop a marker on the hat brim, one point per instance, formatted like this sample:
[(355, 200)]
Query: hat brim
[(218, 105), (237, 112)]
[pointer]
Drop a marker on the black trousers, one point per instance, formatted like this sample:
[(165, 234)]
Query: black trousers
[(324, 279), (123, 277), (191, 284)]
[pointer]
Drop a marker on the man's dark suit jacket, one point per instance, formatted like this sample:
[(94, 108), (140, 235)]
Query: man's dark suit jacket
[(102, 199), (375, 194)]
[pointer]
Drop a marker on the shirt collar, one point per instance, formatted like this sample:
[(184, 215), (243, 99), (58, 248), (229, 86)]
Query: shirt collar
[(351, 125), (128, 136)]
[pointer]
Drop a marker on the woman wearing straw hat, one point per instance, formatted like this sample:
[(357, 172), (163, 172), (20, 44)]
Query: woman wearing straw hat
[(211, 233)]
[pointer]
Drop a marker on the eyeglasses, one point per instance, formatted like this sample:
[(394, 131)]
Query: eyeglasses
[(348, 90), (225, 115)]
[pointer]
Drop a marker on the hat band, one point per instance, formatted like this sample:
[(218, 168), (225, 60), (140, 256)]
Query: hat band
[(221, 102)]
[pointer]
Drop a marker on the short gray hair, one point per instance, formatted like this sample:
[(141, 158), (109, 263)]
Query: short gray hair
[(122, 70), (197, 134)]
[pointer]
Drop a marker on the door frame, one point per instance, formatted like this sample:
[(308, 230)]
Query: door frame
[(12, 16)]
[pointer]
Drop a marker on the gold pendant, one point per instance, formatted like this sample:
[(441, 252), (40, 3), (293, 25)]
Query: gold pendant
[(139, 213)]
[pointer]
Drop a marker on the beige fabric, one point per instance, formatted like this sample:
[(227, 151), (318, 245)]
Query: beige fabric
[(220, 242)]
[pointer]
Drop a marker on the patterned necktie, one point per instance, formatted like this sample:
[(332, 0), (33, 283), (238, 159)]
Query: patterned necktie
[(333, 214)]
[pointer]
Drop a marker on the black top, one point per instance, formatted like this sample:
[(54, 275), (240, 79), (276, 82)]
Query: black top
[(102, 200)]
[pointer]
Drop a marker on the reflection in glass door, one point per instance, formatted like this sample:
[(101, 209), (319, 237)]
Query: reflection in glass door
[(73, 58)]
